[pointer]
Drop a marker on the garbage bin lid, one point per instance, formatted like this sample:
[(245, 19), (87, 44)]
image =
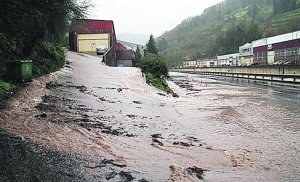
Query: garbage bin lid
[(19, 61), (26, 61)]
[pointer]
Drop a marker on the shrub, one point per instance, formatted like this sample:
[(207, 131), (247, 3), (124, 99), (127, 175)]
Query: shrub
[(7, 51), (158, 83), (154, 64), (47, 57), (6, 87), (7, 46), (155, 68)]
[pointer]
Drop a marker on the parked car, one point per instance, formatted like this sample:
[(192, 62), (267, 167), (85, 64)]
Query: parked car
[(280, 62), (253, 64), (289, 63), (101, 50)]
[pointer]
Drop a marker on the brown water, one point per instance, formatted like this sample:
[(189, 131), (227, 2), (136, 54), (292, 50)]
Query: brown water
[(238, 131)]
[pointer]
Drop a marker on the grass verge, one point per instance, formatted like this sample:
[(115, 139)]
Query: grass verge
[(158, 83)]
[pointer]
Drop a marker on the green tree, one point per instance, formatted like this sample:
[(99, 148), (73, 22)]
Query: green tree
[(151, 46), (36, 30), (154, 64), (30, 22), (138, 55)]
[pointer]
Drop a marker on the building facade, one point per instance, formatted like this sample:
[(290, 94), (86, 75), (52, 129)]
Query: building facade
[(285, 47), (246, 54), (228, 60), (86, 35)]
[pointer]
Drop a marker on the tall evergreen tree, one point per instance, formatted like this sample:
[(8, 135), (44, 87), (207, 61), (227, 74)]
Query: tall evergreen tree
[(151, 46), (138, 55)]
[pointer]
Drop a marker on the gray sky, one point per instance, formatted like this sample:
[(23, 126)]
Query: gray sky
[(147, 16)]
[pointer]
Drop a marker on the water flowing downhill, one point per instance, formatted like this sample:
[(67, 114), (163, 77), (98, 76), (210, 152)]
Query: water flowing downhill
[(235, 131)]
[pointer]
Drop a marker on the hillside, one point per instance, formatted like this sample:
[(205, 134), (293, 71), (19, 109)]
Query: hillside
[(221, 28)]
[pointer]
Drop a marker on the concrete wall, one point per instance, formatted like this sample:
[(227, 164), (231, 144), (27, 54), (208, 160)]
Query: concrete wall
[(267, 69)]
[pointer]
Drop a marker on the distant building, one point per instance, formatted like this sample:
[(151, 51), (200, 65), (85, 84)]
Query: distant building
[(228, 60), (86, 35), (285, 47), (124, 56), (189, 63), (246, 54)]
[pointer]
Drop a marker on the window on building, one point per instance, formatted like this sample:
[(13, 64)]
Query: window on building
[(293, 51)]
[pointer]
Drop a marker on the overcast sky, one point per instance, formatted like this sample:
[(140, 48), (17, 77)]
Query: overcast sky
[(147, 16)]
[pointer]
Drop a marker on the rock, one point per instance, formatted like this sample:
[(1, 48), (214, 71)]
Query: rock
[(175, 94)]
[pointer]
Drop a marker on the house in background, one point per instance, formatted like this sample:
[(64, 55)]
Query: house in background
[(124, 56), (246, 54), (86, 35)]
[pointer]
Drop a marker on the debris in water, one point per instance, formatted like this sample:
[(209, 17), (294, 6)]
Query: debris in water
[(156, 136), (143, 180), (126, 176), (131, 116), (199, 172), (175, 94), (137, 102), (157, 141), (105, 162), (161, 94), (111, 175), (183, 144), (43, 115)]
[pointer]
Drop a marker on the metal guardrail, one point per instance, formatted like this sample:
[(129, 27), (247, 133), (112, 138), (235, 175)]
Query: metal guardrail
[(287, 78)]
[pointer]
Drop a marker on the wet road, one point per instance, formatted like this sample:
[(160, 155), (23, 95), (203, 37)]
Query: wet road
[(238, 131)]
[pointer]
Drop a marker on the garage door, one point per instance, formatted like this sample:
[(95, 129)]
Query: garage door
[(89, 42)]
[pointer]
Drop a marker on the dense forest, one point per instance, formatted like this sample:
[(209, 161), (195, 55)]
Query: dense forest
[(35, 29), (221, 28)]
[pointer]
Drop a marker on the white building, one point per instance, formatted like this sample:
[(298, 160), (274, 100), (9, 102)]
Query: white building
[(246, 54), (228, 60)]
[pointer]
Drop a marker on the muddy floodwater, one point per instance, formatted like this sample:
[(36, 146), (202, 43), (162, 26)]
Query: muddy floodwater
[(115, 127)]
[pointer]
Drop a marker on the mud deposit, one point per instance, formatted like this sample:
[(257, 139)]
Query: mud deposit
[(89, 122)]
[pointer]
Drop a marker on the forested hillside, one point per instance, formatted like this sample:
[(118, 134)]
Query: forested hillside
[(225, 26), (36, 30)]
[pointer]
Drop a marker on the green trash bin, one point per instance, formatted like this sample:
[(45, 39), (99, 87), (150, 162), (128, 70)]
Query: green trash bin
[(19, 70)]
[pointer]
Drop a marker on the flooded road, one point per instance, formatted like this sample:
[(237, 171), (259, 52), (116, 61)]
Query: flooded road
[(122, 129)]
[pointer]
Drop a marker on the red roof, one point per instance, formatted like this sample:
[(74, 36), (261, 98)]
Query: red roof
[(97, 24), (120, 46), (93, 24)]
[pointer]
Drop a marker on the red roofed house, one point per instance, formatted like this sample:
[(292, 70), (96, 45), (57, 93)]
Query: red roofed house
[(87, 34), (125, 56)]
